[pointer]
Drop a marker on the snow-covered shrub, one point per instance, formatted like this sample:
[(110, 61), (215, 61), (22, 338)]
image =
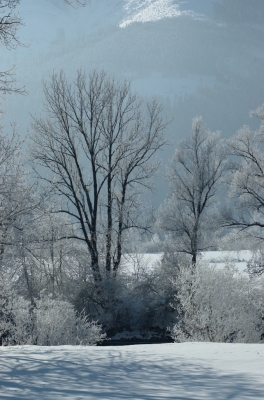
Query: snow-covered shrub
[(218, 305), (49, 323), (19, 322)]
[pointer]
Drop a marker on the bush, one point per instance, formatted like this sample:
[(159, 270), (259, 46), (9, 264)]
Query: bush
[(217, 305), (48, 323)]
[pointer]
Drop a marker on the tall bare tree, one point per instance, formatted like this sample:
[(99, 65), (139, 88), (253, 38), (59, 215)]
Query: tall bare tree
[(98, 145), (195, 175)]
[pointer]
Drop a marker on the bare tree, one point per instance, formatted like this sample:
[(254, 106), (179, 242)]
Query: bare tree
[(195, 176), (15, 193), (10, 22), (97, 147), (247, 181), (41, 261)]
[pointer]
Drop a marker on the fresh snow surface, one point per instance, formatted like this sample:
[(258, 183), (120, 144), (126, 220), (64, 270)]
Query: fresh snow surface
[(178, 371), (137, 262), (220, 258), (236, 256)]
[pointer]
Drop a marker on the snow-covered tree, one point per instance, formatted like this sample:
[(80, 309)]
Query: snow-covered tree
[(195, 177), (218, 305), (50, 323), (246, 213), (16, 198), (40, 255)]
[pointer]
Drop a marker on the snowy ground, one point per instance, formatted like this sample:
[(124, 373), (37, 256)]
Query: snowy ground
[(136, 262), (167, 371)]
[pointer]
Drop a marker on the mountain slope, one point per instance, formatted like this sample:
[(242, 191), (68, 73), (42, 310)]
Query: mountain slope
[(195, 66)]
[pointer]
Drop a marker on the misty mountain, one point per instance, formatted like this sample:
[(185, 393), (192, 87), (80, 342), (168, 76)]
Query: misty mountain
[(197, 58)]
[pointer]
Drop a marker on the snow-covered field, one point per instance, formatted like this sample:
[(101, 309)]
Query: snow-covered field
[(166, 371), (135, 262)]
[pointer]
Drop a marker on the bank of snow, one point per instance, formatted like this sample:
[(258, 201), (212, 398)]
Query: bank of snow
[(166, 371)]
